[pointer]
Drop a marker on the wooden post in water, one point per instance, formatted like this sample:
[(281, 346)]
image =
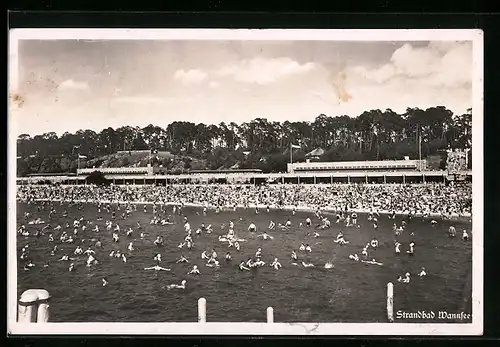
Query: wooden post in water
[(390, 302), (270, 315), (202, 310), (33, 306)]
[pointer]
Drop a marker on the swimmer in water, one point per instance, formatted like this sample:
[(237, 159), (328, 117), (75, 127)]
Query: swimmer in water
[(157, 258), (372, 262), (365, 251), (194, 271), (294, 255), (397, 249), (104, 282), (276, 264), (308, 222), (340, 239), (250, 263), (308, 248), (213, 263), (405, 279), (252, 227), (354, 218), (374, 243), (302, 247), (182, 259), (228, 256), (288, 224), (29, 265), (465, 235), (156, 268), (71, 267), (159, 241), (259, 263), (242, 266), (177, 286), (354, 257), (89, 251), (78, 251), (451, 231), (90, 260), (304, 264), (272, 225), (258, 254), (411, 250), (266, 236), (214, 254), (422, 273)]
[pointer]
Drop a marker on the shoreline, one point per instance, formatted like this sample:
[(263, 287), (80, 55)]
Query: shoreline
[(466, 217)]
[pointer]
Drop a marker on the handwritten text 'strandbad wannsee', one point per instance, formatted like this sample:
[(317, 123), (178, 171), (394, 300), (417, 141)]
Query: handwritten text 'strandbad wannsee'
[(440, 315)]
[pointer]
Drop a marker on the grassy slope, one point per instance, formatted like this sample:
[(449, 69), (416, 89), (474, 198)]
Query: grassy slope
[(167, 159)]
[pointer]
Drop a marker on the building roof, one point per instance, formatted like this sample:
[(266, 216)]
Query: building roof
[(316, 153)]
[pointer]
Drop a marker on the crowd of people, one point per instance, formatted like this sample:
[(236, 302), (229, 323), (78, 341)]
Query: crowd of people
[(419, 199), (456, 161)]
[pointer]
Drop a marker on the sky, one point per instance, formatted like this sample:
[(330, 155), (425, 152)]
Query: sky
[(67, 85)]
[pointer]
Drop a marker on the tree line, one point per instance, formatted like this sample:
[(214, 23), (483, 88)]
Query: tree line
[(260, 143)]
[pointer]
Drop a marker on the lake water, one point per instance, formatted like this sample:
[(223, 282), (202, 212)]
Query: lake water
[(351, 291)]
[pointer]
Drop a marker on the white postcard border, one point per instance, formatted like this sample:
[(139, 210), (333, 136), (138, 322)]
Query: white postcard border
[(195, 328)]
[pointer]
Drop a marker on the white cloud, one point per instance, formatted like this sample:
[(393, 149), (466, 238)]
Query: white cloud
[(264, 71), (440, 64), (73, 85), (191, 76)]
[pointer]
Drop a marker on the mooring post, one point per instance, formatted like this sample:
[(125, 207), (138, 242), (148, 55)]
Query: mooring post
[(390, 302), (270, 315), (33, 306), (202, 310)]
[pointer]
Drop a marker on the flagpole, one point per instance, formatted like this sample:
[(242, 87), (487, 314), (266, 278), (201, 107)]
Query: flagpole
[(420, 150), (291, 153)]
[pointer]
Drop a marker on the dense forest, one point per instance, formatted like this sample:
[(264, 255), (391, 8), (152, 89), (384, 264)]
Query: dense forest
[(373, 135)]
